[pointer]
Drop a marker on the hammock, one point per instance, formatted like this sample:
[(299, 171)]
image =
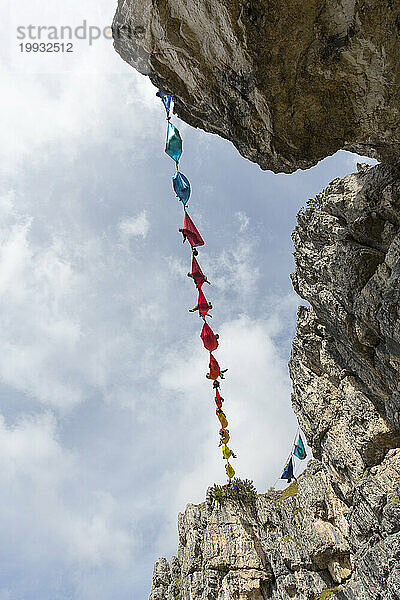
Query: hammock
[(190, 232), (198, 276), (209, 338), (181, 186)]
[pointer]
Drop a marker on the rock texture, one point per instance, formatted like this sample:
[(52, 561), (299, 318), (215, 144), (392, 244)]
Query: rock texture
[(336, 532), (288, 82), (346, 351)]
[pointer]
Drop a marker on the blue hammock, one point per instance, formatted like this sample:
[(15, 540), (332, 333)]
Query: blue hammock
[(173, 145), (288, 471), (299, 449), (166, 100), (181, 187)]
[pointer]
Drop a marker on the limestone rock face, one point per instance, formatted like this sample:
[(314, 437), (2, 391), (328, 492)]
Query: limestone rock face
[(288, 82), (345, 357), (303, 543)]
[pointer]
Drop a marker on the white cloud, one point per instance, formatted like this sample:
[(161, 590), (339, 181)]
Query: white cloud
[(135, 226), (62, 334), (41, 515), (243, 220)]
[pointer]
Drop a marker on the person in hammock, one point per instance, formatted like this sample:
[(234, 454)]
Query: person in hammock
[(227, 452), (209, 338), (218, 399), (203, 306), (190, 233), (215, 370), (198, 278), (225, 437), (197, 274), (200, 308), (222, 418)]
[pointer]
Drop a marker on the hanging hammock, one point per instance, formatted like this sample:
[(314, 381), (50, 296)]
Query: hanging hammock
[(209, 338), (222, 418), (181, 186), (288, 471), (230, 471), (198, 276), (202, 304), (190, 232), (173, 145), (214, 369), (166, 100), (218, 399), (226, 453), (299, 449)]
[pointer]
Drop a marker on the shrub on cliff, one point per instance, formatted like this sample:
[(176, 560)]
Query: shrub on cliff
[(238, 489)]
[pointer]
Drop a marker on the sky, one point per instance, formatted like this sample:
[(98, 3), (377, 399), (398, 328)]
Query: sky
[(107, 424)]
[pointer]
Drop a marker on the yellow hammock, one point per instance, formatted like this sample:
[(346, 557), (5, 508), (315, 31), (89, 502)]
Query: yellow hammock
[(222, 419), (225, 437), (226, 453), (230, 471)]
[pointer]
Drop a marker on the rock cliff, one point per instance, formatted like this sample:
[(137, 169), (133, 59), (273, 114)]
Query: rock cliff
[(288, 82)]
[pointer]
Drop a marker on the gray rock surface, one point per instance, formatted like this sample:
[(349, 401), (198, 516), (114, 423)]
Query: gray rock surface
[(288, 82), (336, 532), (302, 543)]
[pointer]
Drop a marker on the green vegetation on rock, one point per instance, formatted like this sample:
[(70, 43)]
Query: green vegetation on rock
[(239, 489)]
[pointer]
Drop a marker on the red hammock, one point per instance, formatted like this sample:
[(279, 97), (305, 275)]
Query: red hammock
[(218, 399), (209, 338), (214, 369), (197, 273), (202, 304), (190, 231)]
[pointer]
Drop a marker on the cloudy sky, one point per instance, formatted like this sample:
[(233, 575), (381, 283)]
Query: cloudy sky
[(107, 424)]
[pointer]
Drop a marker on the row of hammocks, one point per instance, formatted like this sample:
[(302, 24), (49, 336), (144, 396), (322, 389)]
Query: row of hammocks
[(182, 189)]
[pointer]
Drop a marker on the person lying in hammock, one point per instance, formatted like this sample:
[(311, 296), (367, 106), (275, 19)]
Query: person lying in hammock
[(215, 370), (198, 279), (210, 339), (222, 418), (197, 274), (201, 308), (227, 452), (219, 399), (225, 437), (190, 233)]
